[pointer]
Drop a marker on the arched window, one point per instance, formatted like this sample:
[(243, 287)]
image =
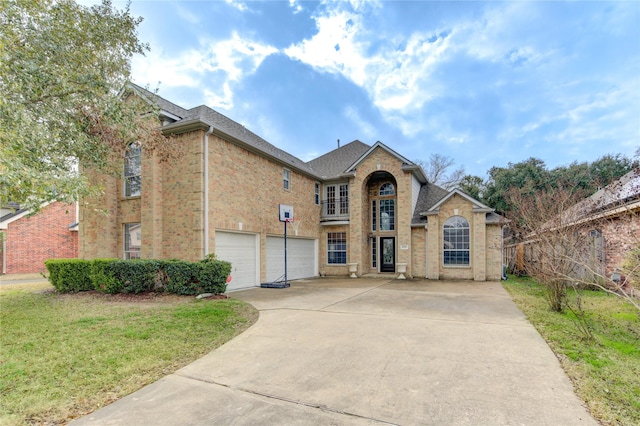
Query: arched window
[(455, 241), (133, 170), (387, 189)]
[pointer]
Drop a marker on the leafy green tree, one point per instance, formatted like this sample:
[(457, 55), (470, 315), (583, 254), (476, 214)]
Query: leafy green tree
[(529, 176), (474, 186), (63, 68)]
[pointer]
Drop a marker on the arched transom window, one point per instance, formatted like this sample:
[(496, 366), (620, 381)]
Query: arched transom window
[(387, 189), (455, 241)]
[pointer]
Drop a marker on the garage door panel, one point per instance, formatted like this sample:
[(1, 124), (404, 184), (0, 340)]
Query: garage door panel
[(242, 251), (302, 258)]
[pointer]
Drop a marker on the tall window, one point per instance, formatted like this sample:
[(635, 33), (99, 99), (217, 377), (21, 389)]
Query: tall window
[(133, 170), (387, 215), (317, 193), (455, 238), (286, 179), (344, 199), (132, 240), (337, 201), (337, 248)]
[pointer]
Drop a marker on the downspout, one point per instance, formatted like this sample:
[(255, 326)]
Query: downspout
[(205, 221)]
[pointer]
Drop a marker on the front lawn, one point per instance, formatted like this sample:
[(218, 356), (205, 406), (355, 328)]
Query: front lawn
[(605, 369), (65, 355)]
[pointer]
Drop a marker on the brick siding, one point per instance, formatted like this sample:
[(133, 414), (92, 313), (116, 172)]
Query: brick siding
[(31, 240)]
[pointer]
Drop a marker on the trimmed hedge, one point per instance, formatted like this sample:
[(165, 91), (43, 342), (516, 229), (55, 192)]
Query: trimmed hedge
[(137, 276), (69, 275)]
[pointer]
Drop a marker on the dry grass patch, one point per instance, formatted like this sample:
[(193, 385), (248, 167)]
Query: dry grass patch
[(64, 356)]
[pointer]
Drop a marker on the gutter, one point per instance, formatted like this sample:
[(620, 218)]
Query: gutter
[(205, 143)]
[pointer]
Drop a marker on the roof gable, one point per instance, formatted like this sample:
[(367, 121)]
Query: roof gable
[(334, 164), (477, 205)]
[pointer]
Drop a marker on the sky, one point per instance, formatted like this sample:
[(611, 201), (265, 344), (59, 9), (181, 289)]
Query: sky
[(485, 83)]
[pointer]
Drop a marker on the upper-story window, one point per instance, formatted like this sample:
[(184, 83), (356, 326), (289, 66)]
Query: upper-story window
[(455, 239), (387, 189), (337, 199), (286, 179), (133, 170), (317, 193)]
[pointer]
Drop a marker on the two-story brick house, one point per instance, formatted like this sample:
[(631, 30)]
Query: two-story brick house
[(358, 204)]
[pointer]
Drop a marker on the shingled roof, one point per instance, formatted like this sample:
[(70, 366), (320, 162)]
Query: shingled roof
[(428, 197), (223, 124), (335, 163)]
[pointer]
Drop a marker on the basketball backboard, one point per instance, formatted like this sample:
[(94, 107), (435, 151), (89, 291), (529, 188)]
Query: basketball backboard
[(285, 212)]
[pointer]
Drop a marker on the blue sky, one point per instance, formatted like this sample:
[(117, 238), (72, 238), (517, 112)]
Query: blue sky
[(486, 83)]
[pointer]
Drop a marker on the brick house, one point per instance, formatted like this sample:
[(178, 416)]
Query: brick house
[(361, 206), (28, 240)]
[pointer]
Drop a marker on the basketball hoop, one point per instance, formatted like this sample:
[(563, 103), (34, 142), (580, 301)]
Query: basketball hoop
[(295, 224)]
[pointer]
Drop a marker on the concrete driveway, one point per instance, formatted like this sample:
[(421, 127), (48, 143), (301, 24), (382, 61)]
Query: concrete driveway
[(367, 351)]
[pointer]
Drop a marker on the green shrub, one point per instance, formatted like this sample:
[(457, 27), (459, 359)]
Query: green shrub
[(102, 276), (69, 275), (213, 275), (135, 276), (182, 277)]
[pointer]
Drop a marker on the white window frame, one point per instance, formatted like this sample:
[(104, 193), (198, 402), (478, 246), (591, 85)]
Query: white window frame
[(129, 169), (336, 243), (286, 179), (460, 244), (130, 251)]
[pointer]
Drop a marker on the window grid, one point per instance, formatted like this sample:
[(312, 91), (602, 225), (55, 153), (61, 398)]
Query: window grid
[(344, 199), (374, 214), (286, 179), (387, 215), (132, 241), (337, 248), (456, 241), (387, 189), (133, 170), (317, 193), (374, 253), (331, 200)]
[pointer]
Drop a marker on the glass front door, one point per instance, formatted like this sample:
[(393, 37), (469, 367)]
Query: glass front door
[(387, 254)]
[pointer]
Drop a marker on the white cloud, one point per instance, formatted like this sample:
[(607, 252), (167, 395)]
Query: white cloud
[(237, 4), (295, 5), (225, 63)]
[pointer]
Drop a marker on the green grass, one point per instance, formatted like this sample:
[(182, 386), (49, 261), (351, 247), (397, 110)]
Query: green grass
[(605, 369), (63, 356)]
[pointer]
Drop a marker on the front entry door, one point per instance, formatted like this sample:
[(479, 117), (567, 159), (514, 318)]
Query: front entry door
[(388, 254)]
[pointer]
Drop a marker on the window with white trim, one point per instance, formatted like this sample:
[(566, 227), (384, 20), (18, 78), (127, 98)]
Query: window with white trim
[(133, 170), (286, 179), (456, 242), (337, 199), (337, 248), (132, 240), (317, 193)]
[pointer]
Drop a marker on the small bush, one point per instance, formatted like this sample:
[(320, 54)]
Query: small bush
[(102, 276), (69, 275), (135, 276), (182, 277), (213, 275)]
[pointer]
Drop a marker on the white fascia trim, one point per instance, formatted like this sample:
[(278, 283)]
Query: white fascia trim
[(477, 204), (4, 225), (370, 150), (335, 223)]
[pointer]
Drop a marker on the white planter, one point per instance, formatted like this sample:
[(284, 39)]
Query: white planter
[(353, 268), (401, 268)]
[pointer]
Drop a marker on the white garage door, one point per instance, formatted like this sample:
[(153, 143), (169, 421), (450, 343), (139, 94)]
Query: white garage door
[(302, 258), (242, 251)]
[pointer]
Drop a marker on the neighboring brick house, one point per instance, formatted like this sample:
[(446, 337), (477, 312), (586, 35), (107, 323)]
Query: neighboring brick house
[(363, 205), (29, 240)]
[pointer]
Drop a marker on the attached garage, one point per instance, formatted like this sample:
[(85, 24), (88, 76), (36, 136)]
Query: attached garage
[(302, 258), (242, 250)]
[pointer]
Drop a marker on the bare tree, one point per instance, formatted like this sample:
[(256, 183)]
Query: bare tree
[(565, 241), (438, 171)]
